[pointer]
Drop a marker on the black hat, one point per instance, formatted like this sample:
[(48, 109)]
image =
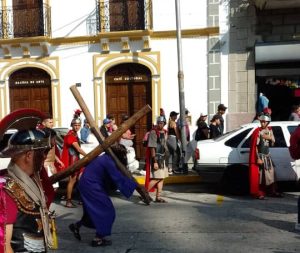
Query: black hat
[(222, 107), (173, 113)]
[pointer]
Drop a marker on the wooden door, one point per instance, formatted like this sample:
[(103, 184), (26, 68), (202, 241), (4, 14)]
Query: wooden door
[(138, 96), (30, 88), (128, 89)]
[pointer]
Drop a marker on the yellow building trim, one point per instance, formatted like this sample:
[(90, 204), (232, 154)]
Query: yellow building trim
[(102, 63), (114, 36)]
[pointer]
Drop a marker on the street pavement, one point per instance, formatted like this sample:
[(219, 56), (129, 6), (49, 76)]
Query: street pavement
[(195, 219)]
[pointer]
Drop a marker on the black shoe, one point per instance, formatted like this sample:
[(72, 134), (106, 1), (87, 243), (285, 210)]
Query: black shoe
[(75, 230), (176, 172), (96, 242)]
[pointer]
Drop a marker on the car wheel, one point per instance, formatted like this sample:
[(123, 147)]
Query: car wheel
[(236, 180)]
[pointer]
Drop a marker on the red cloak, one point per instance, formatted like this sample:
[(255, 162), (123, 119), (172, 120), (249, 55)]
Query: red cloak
[(253, 167), (69, 139), (255, 189)]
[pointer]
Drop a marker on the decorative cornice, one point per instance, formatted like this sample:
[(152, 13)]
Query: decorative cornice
[(113, 36)]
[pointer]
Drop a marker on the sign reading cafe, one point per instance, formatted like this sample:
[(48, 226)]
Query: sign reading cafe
[(126, 79)]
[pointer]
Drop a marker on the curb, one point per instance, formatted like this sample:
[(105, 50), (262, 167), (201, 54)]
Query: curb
[(176, 179)]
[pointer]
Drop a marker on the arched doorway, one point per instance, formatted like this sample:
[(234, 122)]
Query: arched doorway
[(30, 88), (128, 89)]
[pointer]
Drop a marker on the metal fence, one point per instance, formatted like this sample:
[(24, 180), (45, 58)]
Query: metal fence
[(29, 22)]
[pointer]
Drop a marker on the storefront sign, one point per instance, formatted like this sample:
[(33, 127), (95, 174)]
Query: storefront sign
[(39, 82)]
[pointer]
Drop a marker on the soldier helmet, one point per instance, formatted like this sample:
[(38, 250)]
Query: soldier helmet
[(161, 119), (25, 140), (265, 117), (76, 118)]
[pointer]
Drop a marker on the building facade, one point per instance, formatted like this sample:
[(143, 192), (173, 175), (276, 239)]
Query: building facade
[(121, 54), (264, 57)]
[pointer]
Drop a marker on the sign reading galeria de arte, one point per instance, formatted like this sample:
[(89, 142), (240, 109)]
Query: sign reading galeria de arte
[(29, 82)]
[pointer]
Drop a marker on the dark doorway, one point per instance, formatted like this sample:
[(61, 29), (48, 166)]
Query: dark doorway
[(282, 92), (128, 89)]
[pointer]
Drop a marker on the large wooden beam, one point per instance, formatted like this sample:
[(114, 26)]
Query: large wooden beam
[(95, 130), (99, 149)]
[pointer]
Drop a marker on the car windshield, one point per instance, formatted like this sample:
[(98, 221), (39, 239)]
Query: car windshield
[(226, 134)]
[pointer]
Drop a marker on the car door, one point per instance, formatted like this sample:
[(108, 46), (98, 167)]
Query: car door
[(288, 130), (244, 147), (238, 155)]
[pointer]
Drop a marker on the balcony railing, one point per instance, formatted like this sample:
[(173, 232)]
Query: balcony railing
[(30, 22), (123, 15)]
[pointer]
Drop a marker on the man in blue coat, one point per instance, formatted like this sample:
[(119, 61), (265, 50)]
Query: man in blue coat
[(98, 178)]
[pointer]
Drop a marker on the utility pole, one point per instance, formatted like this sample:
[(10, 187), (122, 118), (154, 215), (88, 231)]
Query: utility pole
[(180, 83)]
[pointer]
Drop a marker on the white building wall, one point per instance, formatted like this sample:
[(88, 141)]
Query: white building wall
[(193, 14), (76, 66), (69, 17), (195, 75)]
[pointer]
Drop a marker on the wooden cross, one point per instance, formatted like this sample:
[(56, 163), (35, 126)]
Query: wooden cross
[(104, 145)]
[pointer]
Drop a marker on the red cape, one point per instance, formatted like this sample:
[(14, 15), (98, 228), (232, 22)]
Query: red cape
[(253, 167), (294, 147), (47, 187), (255, 190), (148, 168), (69, 139), (148, 164)]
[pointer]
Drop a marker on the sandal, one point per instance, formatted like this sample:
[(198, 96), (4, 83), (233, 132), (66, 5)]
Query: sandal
[(96, 242), (70, 204), (160, 200), (261, 197), (75, 230)]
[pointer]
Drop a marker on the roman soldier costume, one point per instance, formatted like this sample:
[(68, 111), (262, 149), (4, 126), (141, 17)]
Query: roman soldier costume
[(22, 198), (69, 153)]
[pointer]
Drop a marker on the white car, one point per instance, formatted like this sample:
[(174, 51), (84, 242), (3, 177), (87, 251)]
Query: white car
[(225, 159), (3, 143), (133, 164)]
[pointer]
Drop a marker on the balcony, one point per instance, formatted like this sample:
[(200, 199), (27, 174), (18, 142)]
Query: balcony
[(276, 4), (123, 15), (19, 22)]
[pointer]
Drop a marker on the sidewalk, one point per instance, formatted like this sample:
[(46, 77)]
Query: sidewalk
[(191, 177)]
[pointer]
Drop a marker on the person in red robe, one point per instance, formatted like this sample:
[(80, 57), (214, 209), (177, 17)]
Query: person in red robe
[(71, 153)]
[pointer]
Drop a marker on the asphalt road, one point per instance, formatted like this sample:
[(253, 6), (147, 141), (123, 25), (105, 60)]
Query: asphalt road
[(195, 219)]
